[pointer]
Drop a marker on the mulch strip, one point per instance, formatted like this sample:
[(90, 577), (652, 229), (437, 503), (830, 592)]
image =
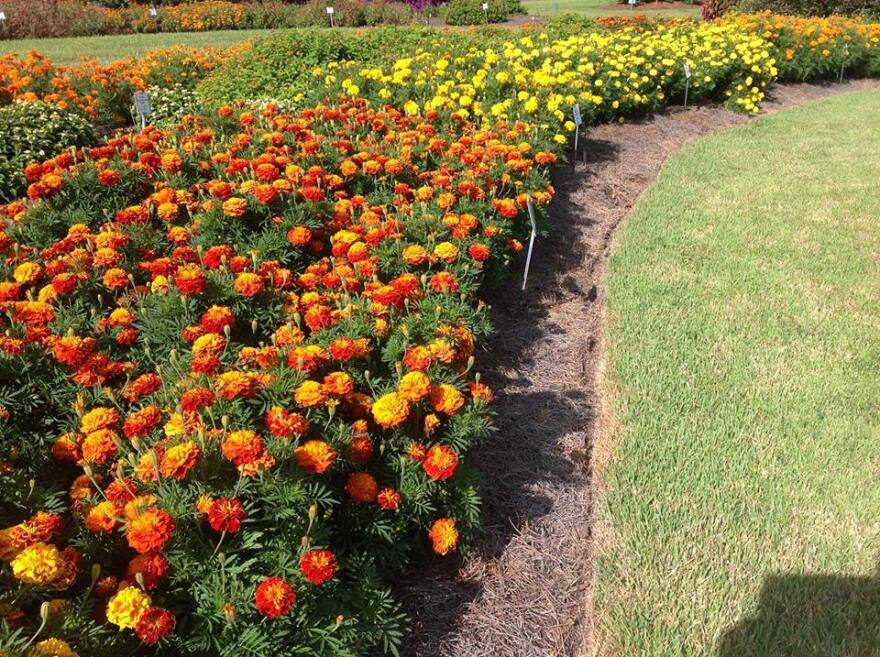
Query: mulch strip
[(526, 593)]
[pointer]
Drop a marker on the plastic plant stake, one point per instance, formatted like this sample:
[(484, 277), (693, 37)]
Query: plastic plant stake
[(531, 240)]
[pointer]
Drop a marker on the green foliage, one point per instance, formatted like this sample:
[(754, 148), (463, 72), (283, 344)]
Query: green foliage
[(470, 12), (32, 132)]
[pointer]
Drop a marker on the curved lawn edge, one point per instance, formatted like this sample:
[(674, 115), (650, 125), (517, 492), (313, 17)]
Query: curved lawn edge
[(741, 300)]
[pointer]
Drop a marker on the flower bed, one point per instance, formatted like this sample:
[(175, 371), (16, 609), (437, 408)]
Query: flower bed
[(237, 376)]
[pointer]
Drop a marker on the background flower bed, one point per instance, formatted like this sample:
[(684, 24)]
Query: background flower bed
[(238, 361)]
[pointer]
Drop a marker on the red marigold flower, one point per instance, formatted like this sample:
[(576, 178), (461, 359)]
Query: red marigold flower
[(416, 451), (150, 530), (315, 456), (283, 424), (274, 597), (108, 178), (299, 236), (115, 278), (226, 514), (190, 279), (154, 625), (140, 423), (177, 461), (444, 281), (388, 499), (193, 400), (318, 566), (440, 463), (443, 535), (153, 568), (248, 284), (361, 449), (478, 251), (216, 318), (362, 487)]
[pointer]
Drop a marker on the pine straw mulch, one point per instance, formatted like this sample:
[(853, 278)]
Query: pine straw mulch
[(527, 592)]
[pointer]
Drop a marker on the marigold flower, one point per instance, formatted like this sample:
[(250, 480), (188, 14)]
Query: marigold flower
[(154, 625), (389, 499), (318, 566), (152, 568), (102, 518), (283, 424), (242, 447), (226, 514), (150, 530), (446, 399), (390, 410), (177, 461), (362, 487), (309, 394), (127, 606), (39, 564), (100, 417), (232, 385), (315, 456), (274, 597), (299, 236), (190, 279), (440, 463), (216, 318), (443, 535), (414, 386), (338, 383), (234, 207), (99, 446), (248, 284)]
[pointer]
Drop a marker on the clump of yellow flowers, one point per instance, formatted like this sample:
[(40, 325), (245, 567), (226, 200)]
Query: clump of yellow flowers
[(537, 77)]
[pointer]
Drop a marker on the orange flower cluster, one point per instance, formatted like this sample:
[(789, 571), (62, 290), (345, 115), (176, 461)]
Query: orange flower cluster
[(263, 337)]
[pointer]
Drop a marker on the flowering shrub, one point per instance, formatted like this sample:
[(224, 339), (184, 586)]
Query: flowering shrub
[(237, 381), (470, 12), (32, 132)]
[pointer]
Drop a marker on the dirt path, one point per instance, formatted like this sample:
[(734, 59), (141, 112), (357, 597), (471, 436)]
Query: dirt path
[(527, 593)]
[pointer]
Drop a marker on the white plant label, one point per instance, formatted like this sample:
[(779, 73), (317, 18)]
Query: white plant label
[(687, 71), (2, 15), (632, 3), (142, 102), (576, 112), (485, 6), (154, 12), (330, 10)]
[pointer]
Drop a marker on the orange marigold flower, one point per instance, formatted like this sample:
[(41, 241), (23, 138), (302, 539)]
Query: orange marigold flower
[(446, 399), (414, 386), (440, 463), (216, 318), (190, 279), (388, 499), (361, 449), (283, 424), (443, 535), (177, 461), (390, 410), (154, 625), (478, 251), (226, 514), (243, 447), (232, 385), (274, 597), (100, 417), (248, 284), (140, 423), (102, 518), (362, 487), (309, 394), (99, 446), (315, 456), (338, 383), (299, 236), (150, 530), (444, 281), (318, 566), (416, 451), (418, 358)]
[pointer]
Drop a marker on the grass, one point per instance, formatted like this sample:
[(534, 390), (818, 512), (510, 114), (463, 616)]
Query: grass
[(109, 48), (742, 507), (596, 8)]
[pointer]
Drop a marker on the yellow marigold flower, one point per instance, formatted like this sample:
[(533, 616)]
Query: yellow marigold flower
[(390, 410), (39, 564), (127, 606), (414, 386), (446, 251), (99, 418), (51, 648), (310, 393)]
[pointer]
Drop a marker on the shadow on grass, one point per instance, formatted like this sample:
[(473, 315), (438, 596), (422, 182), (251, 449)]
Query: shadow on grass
[(810, 616)]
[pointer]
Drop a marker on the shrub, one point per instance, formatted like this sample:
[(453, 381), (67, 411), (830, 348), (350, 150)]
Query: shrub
[(470, 12), (714, 8), (238, 361), (867, 8), (31, 132)]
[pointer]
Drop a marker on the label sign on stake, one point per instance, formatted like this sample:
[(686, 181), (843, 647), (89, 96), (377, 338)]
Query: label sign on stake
[(531, 240), (576, 114), (154, 12), (632, 4), (330, 12), (2, 16), (687, 82), (486, 11), (142, 106)]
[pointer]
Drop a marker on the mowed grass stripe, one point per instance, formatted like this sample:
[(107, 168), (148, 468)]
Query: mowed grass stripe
[(742, 514)]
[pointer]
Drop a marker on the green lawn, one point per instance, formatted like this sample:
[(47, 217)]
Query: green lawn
[(742, 515), (595, 8), (108, 48)]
